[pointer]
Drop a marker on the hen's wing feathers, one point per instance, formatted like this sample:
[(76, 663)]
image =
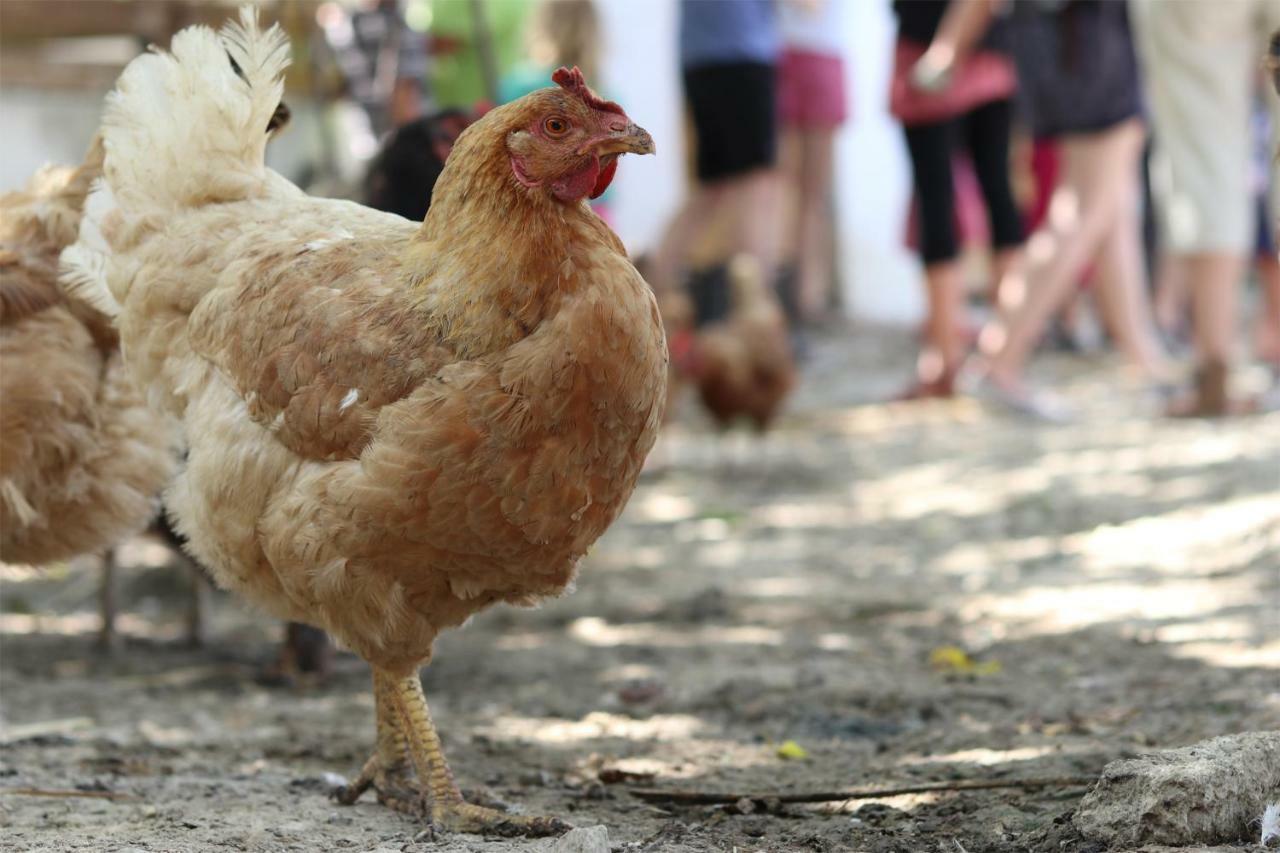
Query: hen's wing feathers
[(313, 346)]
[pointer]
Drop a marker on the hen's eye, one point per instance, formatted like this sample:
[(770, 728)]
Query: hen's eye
[(556, 126)]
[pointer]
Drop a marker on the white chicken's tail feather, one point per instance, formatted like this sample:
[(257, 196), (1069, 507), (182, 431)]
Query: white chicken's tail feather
[(189, 126), (182, 129)]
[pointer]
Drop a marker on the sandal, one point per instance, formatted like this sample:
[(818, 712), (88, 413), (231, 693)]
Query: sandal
[(942, 388)]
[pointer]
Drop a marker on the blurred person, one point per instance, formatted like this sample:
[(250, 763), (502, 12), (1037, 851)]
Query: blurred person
[(952, 85), (1172, 294), (1266, 330), (1079, 81), (560, 32), (383, 62), (729, 53), (473, 45), (1201, 58), (811, 106)]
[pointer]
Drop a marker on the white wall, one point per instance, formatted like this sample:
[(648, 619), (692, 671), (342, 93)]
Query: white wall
[(642, 73), (43, 127), (881, 278)]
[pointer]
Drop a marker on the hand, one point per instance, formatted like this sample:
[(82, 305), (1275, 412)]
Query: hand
[(932, 72)]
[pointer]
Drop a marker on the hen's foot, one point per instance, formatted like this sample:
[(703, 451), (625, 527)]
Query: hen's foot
[(395, 788), (462, 816), (398, 789), (405, 729)]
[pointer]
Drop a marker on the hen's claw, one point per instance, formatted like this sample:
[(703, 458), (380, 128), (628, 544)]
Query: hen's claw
[(399, 790), (396, 789), (465, 817)]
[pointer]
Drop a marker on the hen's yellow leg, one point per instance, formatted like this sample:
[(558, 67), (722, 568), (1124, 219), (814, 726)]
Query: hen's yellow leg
[(447, 808), (387, 770)]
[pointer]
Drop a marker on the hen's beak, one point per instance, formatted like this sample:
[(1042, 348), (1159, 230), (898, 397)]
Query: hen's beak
[(631, 139)]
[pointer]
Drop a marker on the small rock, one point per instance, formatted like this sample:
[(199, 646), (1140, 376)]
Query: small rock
[(595, 791), (585, 839), (536, 778), (641, 692), (615, 775), (1210, 793)]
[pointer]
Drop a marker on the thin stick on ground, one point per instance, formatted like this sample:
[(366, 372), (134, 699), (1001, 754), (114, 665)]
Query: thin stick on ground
[(66, 792), (663, 795)]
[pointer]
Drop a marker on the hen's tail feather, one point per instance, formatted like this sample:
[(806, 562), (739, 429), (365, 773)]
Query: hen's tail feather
[(260, 58), (189, 126), (182, 128)]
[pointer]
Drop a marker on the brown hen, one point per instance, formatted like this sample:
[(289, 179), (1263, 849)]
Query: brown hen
[(392, 426)]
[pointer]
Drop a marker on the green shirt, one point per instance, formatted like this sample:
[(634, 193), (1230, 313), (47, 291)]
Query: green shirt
[(457, 78)]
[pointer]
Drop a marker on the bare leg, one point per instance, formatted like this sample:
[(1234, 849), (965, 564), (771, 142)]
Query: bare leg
[(791, 170), (945, 325), (1267, 331), (754, 198), (108, 638), (1083, 210), (673, 252), (1171, 294), (405, 728), (1005, 266), (814, 222), (1215, 292), (1121, 290)]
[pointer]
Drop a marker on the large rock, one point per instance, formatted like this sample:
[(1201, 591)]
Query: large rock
[(1210, 793)]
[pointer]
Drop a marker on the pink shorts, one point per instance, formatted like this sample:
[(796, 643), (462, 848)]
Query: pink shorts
[(810, 89)]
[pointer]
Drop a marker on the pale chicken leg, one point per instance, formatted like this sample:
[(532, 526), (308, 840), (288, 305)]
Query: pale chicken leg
[(406, 736)]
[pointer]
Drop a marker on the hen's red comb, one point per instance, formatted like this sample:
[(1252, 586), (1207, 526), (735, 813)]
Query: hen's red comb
[(571, 80)]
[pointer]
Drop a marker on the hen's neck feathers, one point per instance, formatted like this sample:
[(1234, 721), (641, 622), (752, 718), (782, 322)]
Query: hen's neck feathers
[(493, 259)]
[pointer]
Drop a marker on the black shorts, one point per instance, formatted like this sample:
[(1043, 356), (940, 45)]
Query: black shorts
[(734, 110), (1077, 70)]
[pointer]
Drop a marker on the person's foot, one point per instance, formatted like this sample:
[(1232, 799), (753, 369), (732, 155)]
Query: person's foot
[(942, 388), (1266, 341), (1209, 396), (1018, 398), (1269, 400)]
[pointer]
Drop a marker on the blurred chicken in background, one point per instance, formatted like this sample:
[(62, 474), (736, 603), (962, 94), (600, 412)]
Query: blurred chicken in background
[(404, 172), (82, 458), (742, 363)]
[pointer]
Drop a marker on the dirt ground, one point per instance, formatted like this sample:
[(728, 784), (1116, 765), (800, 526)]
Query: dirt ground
[(1114, 586)]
